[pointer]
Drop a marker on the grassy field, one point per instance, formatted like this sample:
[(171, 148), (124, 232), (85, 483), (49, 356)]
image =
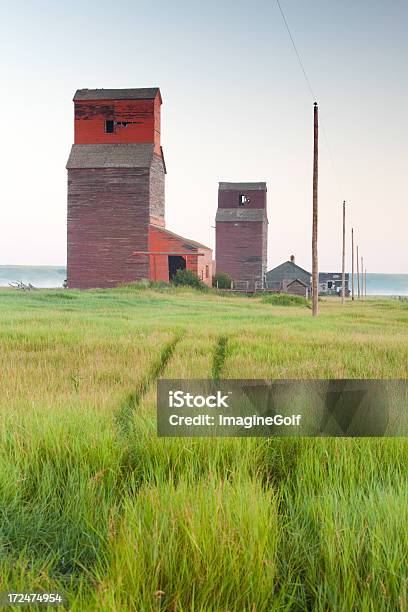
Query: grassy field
[(94, 505)]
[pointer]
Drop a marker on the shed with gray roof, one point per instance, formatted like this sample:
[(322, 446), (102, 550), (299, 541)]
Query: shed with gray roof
[(285, 273)]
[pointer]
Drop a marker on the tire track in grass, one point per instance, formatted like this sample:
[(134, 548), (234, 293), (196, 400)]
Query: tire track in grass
[(125, 425), (278, 462), (124, 416), (219, 357)]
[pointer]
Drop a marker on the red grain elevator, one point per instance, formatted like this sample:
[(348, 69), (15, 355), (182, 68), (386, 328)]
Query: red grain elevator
[(242, 231), (116, 197)]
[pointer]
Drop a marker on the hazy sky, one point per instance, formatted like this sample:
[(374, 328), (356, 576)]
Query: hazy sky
[(235, 108)]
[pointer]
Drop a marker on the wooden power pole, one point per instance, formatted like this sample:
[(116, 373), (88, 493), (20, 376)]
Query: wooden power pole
[(343, 261), (358, 277), (315, 263), (352, 264)]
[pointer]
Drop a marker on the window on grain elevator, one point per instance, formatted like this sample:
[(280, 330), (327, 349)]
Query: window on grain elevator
[(109, 126), (207, 271), (242, 200)]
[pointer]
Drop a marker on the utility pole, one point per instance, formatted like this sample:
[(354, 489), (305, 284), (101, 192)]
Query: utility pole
[(362, 278), (343, 262), (315, 264), (358, 277), (352, 264)]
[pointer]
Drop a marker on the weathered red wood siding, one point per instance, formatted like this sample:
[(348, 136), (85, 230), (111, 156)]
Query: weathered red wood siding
[(264, 247), (108, 219), (228, 198), (240, 250), (160, 240), (116, 195), (297, 288), (204, 266), (242, 231), (143, 117)]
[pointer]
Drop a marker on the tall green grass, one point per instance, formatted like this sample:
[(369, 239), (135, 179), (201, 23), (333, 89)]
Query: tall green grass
[(94, 505), (284, 299), (205, 547)]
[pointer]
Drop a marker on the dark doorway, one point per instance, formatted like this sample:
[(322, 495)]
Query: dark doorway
[(109, 126), (176, 262)]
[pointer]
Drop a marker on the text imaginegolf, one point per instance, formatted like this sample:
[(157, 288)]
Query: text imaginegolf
[(247, 422)]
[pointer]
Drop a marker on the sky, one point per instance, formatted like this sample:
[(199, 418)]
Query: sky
[(236, 107)]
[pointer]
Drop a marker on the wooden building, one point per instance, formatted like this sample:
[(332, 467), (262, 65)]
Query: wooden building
[(296, 287), (169, 252), (116, 197), (288, 271), (242, 231), (288, 277), (330, 283)]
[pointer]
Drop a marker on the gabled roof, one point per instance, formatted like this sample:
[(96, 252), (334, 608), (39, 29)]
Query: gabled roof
[(297, 280), (133, 155), (294, 266), (192, 243), (242, 186), (143, 93)]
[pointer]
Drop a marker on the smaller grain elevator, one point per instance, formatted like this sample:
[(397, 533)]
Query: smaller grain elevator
[(242, 231)]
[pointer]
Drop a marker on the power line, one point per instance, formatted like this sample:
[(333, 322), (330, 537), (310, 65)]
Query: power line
[(314, 97), (296, 51)]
